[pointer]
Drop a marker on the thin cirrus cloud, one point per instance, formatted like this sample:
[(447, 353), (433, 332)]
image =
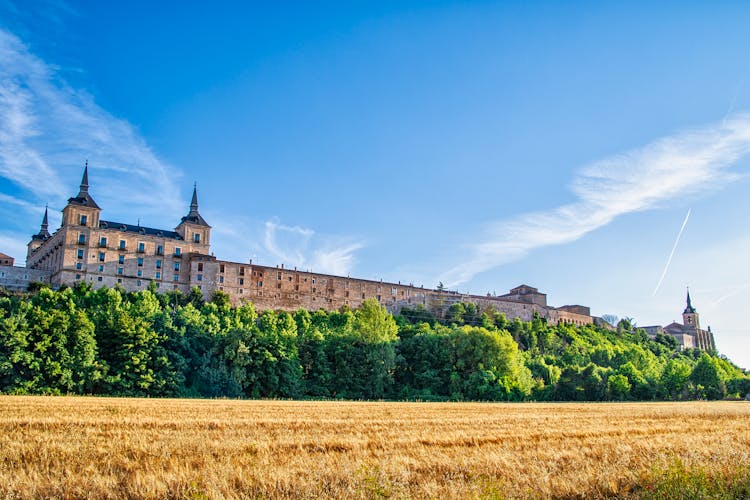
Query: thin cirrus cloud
[(291, 244), (48, 129), (637, 180), (271, 242)]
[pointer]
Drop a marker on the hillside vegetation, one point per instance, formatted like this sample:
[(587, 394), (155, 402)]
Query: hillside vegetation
[(111, 342)]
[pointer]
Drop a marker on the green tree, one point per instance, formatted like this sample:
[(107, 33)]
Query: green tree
[(374, 324), (674, 379), (707, 380), (618, 387)]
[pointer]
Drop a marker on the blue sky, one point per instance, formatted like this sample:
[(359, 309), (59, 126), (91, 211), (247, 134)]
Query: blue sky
[(482, 144)]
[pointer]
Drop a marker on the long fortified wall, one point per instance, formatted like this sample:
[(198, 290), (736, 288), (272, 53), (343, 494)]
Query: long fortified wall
[(291, 289)]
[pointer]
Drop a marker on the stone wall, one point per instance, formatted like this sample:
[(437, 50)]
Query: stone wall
[(17, 278), (290, 289)]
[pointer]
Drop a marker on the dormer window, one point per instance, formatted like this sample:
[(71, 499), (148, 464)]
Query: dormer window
[(84, 219)]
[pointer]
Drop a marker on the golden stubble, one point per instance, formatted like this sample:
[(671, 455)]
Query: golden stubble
[(72, 447)]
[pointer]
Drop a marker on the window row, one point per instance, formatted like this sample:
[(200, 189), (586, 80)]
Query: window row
[(141, 248)]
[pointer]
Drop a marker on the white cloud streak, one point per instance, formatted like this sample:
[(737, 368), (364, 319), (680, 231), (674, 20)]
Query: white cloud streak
[(674, 166), (271, 242), (291, 245), (48, 129), (671, 254)]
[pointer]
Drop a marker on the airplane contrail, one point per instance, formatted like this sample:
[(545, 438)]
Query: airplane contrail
[(671, 254)]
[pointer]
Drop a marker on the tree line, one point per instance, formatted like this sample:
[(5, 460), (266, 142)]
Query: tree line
[(112, 342)]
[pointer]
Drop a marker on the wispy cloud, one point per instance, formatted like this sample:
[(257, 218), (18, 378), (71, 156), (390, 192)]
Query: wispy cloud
[(293, 244), (48, 129), (678, 165), (272, 242), (287, 243)]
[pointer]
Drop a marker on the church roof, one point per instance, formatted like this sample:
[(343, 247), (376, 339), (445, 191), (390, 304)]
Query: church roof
[(674, 327), (130, 228), (83, 198)]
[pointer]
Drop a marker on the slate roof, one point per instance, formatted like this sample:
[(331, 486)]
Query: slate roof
[(83, 198), (193, 216), (43, 233), (130, 228), (689, 309)]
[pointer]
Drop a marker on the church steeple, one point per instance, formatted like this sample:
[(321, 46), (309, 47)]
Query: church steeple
[(689, 316), (689, 309)]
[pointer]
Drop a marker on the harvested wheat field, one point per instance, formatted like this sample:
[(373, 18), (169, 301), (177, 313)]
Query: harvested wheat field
[(154, 448)]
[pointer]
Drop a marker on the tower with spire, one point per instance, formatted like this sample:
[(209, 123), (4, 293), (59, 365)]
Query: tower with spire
[(81, 209), (690, 318), (39, 238), (193, 227)]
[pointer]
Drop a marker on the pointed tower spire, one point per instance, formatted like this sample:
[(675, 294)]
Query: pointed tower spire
[(44, 229), (689, 309), (85, 180), (83, 197), (193, 216), (45, 220), (194, 201)]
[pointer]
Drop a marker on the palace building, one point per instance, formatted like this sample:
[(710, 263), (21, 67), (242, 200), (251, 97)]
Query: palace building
[(87, 248)]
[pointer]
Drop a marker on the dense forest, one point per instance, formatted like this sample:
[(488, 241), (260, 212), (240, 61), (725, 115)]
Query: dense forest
[(112, 342)]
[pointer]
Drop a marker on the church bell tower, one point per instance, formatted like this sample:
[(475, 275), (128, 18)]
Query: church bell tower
[(690, 316)]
